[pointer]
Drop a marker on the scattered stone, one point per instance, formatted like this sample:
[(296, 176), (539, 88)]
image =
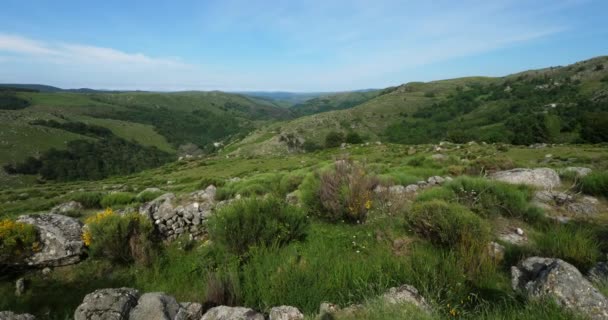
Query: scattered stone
[(20, 287), (292, 198), (406, 294), (396, 190), (328, 308), (68, 207), (519, 231), (60, 240), (580, 171), (155, 306), (513, 236), (107, 304), (46, 271), (285, 313), (8, 315), (190, 311), (435, 180), (411, 151), (412, 188), (544, 178), (232, 313), (586, 206), (554, 278), (496, 251)]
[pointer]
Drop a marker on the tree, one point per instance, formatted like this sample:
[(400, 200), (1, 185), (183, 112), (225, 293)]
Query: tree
[(334, 139), (595, 127), (354, 138)]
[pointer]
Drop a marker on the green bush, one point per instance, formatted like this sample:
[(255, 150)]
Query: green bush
[(334, 139), (120, 238), (572, 243), (440, 193), (353, 138), (488, 198), (89, 200), (148, 196), (17, 240), (257, 222), (117, 199), (595, 183), (343, 192), (447, 224)]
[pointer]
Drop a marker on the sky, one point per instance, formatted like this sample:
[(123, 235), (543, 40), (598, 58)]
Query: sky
[(290, 45)]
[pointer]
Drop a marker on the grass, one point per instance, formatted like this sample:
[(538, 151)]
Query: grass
[(596, 183), (576, 244)]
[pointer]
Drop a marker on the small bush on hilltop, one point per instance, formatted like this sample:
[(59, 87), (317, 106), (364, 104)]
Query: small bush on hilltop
[(17, 240), (120, 238), (257, 222), (595, 183), (342, 193)]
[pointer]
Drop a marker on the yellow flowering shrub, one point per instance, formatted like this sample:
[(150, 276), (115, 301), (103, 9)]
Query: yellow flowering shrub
[(120, 238), (17, 240)]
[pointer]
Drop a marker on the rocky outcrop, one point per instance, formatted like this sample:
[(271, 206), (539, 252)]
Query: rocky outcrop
[(60, 240), (190, 311), (8, 315), (285, 313), (173, 220), (155, 306), (107, 304), (67, 208), (232, 313), (573, 204), (406, 294), (556, 279), (543, 178)]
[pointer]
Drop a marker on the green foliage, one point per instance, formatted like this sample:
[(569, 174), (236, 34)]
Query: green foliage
[(488, 198), (595, 183), (89, 200), (575, 244), (256, 186), (76, 127), (334, 139), (17, 240), (257, 222), (447, 224), (116, 199), (147, 196), (120, 238), (528, 128), (353, 138), (10, 101)]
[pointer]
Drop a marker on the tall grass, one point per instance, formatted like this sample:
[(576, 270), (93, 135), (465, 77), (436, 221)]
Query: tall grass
[(595, 183), (577, 245)]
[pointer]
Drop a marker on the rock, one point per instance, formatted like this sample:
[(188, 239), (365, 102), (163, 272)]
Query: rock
[(190, 311), (148, 190), (406, 294), (292, 198), (285, 313), (513, 236), (207, 195), (46, 271), (20, 287), (8, 315), (599, 273), (435, 180), (396, 190), (553, 197), (519, 231), (586, 206), (412, 188), (60, 239), (556, 279), (496, 251), (159, 208), (580, 171), (68, 207), (411, 151), (155, 306), (439, 157), (544, 178), (107, 304), (232, 313), (380, 189), (328, 308)]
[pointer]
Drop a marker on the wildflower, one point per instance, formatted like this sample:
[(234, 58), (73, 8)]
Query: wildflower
[(368, 204)]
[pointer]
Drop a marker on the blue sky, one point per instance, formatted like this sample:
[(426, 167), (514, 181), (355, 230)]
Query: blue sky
[(291, 45)]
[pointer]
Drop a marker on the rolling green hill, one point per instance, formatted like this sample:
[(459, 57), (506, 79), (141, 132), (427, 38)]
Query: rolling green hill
[(558, 104)]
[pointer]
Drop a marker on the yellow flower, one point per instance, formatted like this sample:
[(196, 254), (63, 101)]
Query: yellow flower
[(368, 204), (86, 238), (453, 312)]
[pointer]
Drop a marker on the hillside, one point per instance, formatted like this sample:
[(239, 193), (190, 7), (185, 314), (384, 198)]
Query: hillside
[(337, 101), (555, 105), (165, 121)]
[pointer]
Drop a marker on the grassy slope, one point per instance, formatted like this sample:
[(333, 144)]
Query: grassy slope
[(338, 101), (373, 117)]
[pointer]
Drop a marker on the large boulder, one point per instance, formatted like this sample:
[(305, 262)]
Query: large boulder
[(190, 311), (67, 208), (155, 306), (556, 279), (8, 315), (107, 304), (576, 205), (543, 178), (232, 313), (60, 239), (285, 313)]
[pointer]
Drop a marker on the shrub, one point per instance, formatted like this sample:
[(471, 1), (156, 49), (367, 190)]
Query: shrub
[(483, 165), (595, 183), (17, 240), (577, 245), (354, 138), (311, 146), (488, 198), (334, 139), (120, 238), (257, 222), (440, 193), (116, 199), (148, 196), (341, 193), (89, 200), (447, 224)]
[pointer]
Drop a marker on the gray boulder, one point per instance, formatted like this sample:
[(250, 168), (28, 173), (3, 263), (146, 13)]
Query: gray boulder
[(189, 311), (8, 315), (161, 207), (232, 313), (60, 239), (155, 306), (107, 304), (556, 279), (543, 178), (68, 207), (412, 188), (406, 294), (599, 273), (285, 313)]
